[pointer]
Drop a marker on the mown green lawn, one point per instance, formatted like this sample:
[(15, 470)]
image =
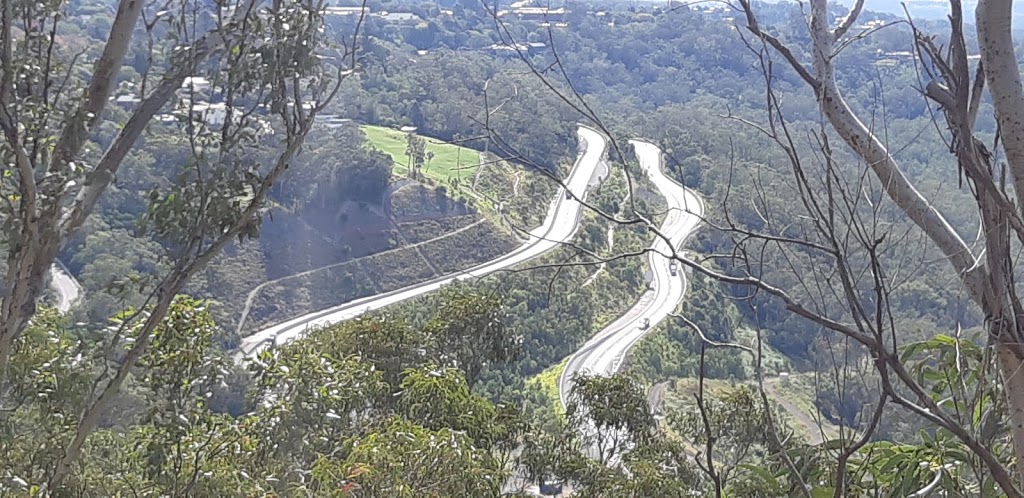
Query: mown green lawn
[(449, 161)]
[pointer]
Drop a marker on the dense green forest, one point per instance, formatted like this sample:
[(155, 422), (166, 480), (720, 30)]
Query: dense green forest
[(629, 66), (434, 156)]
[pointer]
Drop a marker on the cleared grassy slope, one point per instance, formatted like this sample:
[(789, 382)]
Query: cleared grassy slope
[(449, 161)]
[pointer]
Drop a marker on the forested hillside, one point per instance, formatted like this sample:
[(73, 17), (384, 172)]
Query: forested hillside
[(207, 170)]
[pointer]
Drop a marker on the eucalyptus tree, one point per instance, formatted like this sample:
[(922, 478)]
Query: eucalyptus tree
[(243, 80), (851, 227)]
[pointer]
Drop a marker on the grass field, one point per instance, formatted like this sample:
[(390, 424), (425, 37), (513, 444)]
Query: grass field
[(449, 161), (548, 382), (515, 188)]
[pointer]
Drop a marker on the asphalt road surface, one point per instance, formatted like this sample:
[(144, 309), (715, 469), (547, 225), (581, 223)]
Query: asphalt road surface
[(67, 288), (603, 354), (559, 226)]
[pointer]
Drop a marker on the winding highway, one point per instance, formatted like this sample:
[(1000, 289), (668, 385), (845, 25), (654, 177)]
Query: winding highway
[(559, 226), (603, 354)]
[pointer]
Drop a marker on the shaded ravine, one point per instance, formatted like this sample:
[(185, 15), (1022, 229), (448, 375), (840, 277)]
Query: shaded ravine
[(250, 298)]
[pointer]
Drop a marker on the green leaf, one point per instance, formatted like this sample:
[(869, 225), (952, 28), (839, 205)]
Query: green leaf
[(765, 476), (823, 492)]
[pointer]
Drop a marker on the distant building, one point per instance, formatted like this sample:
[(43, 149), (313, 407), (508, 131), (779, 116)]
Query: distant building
[(211, 114), (307, 106), (215, 115), (872, 24), (504, 50), (514, 50), (710, 9), (346, 11), (540, 13), (127, 102), (332, 120), (893, 58), (901, 54), (196, 84), (526, 11), (400, 17)]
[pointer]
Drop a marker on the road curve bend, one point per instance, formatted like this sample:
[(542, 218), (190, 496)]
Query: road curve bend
[(559, 226), (65, 286), (603, 354)]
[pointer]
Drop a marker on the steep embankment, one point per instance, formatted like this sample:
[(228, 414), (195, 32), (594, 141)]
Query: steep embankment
[(559, 226)]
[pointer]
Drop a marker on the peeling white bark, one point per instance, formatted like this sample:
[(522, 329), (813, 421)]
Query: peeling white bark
[(865, 144), (995, 41), (993, 19), (987, 280)]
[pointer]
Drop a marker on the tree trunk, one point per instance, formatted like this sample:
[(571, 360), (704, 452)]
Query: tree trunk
[(91, 416), (36, 248), (987, 289), (866, 145), (1002, 74), (1012, 369), (989, 281), (995, 42)]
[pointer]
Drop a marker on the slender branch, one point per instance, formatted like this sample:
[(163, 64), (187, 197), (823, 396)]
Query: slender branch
[(83, 122), (754, 27), (849, 20), (7, 71), (99, 178), (709, 445)]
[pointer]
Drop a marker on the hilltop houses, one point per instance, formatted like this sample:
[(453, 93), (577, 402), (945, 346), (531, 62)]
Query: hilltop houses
[(509, 50), (526, 11)]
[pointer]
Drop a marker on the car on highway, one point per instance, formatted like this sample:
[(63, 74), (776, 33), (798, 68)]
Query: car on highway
[(568, 194), (550, 488), (673, 268), (645, 324)]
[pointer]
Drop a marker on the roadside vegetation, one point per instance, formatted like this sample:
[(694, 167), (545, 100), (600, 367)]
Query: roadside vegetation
[(424, 230), (517, 190)]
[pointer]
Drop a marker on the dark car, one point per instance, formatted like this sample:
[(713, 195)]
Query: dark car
[(550, 488)]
